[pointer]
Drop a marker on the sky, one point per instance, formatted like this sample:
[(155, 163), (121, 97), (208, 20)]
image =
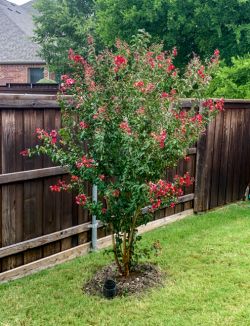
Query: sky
[(19, 2)]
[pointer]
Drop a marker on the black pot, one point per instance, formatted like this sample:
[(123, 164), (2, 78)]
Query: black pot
[(109, 289)]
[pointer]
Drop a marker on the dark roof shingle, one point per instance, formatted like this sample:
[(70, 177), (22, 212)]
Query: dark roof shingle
[(16, 30)]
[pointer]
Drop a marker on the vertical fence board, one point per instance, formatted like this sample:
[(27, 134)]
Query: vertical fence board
[(225, 155), (50, 200), (8, 191), (32, 189), (204, 167), (216, 161), (244, 175)]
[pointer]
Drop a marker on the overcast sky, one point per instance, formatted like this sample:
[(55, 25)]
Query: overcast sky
[(19, 2)]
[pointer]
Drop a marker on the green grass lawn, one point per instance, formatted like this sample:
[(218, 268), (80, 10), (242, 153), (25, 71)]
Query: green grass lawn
[(207, 261)]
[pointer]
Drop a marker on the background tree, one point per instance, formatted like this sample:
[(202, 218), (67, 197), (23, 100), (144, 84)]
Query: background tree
[(198, 26), (60, 25), (192, 25), (232, 81)]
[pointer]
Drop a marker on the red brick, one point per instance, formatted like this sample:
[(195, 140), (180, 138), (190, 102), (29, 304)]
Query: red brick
[(19, 73)]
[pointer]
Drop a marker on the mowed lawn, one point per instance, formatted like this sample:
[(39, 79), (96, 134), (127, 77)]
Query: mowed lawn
[(207, 262)]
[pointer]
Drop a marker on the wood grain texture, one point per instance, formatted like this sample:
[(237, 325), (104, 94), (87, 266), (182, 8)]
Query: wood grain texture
[(7, 178), (42, 240)]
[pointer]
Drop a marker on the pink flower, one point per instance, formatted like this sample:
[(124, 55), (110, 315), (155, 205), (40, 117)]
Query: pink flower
[(174, 52), (149, 88), (139, 84), (70, 81), (140, 111), (25, 152), (160, 138), (160, 57), (53, 135), (83, 125), (81, 199), (172, 205), (86, 162), (41, 133), (116, 193), (170, 68), (220, 104), (64, 77), (216, 52), (125, 127), (120, 62), (164, 95), (156, 205), (74, 178), (55, 188), (101, 176)]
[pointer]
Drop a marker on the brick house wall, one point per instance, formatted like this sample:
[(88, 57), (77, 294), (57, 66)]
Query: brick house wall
[(19, 73)]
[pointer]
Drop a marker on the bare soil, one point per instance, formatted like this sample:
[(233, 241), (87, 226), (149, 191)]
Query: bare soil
[(143, 277)]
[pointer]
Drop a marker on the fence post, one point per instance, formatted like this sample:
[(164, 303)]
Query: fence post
[(199, 184), (94, 222)]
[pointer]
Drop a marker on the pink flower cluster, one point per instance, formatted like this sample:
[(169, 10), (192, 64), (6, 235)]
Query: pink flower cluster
[(100, 112), (86, 162), (88, 69), (25, 152), (83, 125), (42, 134), (186, 180), (163, 190), (216, 56), (61, 185), (140, 111), (161, 61), (212, 106), (198, 117), (125, 127), (120, 62), (67, 82), (76, 57), (170, 96), (147, 89), (166, 191), (160, 138), (81, 199), (201, 72)]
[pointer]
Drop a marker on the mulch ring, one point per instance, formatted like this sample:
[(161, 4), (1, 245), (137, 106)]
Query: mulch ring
[(143, 277)]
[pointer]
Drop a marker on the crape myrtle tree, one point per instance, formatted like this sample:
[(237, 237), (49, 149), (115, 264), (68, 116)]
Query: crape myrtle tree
[(122, 127)]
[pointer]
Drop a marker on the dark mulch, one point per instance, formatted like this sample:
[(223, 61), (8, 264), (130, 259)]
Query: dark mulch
[(143, 277)]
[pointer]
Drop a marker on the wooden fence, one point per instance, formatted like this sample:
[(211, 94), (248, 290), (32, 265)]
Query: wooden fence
[(223, 158), (39, 228)]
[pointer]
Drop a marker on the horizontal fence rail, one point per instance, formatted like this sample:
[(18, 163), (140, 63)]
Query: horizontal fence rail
[(39, 228)]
